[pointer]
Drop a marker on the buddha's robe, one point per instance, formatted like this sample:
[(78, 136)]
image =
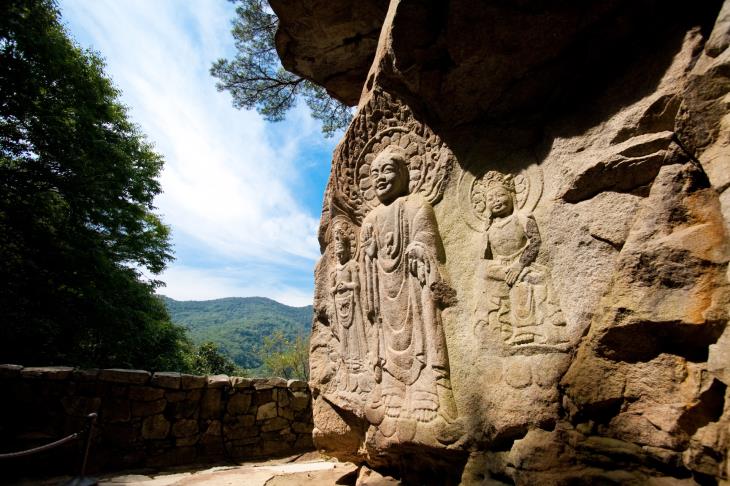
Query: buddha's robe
[(403, 250)]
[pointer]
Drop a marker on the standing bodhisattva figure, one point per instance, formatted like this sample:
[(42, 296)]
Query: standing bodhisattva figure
[(348, 326), (402, 250)]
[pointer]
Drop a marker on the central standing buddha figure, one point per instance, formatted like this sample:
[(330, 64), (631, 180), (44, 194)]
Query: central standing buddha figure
[(402, 250)]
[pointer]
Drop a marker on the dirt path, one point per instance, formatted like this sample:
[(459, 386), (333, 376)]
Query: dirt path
[(310, 468)]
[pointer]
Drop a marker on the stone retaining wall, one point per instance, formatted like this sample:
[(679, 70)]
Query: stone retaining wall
[(150, 419)]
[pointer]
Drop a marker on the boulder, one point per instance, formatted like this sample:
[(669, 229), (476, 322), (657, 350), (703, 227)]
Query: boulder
[(524, 270)]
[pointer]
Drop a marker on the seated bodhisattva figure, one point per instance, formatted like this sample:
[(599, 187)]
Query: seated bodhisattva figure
[(516, 294), (402, 250)]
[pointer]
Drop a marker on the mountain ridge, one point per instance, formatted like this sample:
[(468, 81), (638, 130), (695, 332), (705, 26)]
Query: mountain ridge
[(238, 324)]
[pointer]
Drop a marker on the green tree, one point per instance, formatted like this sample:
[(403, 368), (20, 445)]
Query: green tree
[(77, 227), (285, 357), (256, 78), (209, 360)]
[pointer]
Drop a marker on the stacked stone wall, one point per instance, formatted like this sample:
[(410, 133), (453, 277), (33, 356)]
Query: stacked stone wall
[(149, 419)]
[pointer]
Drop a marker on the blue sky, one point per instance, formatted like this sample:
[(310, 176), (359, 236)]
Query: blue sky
[(242, 196)]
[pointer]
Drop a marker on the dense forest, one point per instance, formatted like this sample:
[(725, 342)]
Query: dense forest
[(238, 325)]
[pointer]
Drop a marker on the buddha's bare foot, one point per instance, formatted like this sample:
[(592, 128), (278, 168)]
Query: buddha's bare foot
[(424, 415), (424, 405)]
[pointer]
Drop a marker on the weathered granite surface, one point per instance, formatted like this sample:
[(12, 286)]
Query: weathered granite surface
[(149, 419), (524, 272)]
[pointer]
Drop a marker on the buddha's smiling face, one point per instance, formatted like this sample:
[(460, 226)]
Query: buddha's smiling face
[(389, 177)]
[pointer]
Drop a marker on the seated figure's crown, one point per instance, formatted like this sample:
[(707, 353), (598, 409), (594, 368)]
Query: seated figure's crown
[(493, 179)]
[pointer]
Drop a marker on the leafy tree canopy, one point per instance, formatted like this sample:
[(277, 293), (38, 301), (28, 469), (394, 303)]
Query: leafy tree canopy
[(256, 78), (209, 360), (284, 357), (77, 227)]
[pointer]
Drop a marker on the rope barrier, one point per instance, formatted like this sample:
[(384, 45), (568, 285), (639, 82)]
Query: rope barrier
[(87, 430), (59, 442)]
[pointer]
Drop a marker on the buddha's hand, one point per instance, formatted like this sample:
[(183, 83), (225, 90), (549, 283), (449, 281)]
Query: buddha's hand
[(513, 273), (368, 240), (418, 263)]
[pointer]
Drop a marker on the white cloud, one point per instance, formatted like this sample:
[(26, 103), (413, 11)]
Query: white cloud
[(185, 283), (227, 182)]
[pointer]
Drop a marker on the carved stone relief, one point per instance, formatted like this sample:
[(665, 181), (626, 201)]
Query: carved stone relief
[(386, 284), (514, 299), (380, 348), (402, 250), (347, 326)]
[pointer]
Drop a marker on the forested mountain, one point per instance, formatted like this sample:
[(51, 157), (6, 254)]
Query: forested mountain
[(239, 324)]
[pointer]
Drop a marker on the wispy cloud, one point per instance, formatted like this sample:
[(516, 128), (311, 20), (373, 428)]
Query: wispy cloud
[(230, 178)]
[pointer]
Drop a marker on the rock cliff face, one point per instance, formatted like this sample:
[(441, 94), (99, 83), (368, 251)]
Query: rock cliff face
[(525, 241)]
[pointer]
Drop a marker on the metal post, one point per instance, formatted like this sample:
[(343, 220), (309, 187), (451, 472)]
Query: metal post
[(82, 480)]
